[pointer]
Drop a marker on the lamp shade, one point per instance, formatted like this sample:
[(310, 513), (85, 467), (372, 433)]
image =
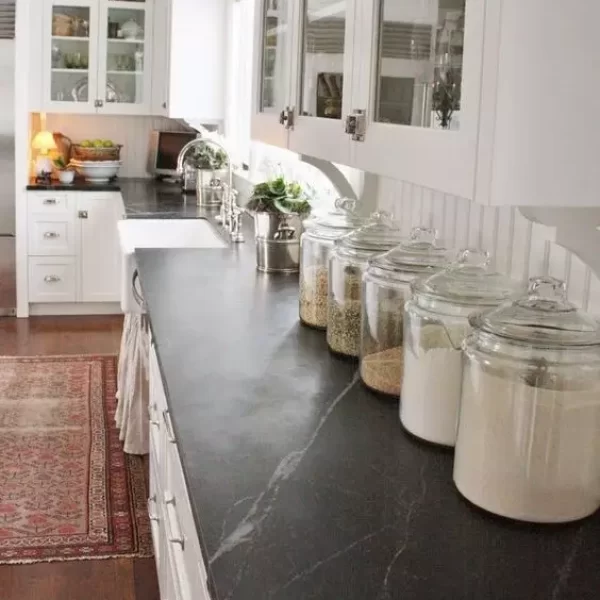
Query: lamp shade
[(43, 141)]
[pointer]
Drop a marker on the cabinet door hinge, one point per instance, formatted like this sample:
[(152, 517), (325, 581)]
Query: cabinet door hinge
[(356, 125), (286, 117)]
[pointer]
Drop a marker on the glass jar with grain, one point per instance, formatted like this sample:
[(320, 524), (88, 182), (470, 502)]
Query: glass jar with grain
[(347, 262), (315, 245), (386, 289), (528, 441), (436, 321)]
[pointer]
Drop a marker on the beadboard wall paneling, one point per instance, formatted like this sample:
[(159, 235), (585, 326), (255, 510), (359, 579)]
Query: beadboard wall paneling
[(518, 246), (132, 132)]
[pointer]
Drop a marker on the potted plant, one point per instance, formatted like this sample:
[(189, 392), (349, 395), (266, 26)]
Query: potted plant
[(278, 207), (66, 175), (209, 163)]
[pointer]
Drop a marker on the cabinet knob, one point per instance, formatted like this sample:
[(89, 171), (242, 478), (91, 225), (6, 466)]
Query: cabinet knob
[(82, 214), (49, 235), (52, 279), (50, 201), (164, 105)]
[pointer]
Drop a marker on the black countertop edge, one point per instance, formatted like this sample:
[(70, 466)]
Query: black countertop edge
[(78, 185)]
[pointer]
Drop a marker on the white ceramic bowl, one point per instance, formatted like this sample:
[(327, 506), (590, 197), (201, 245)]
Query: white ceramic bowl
[(97, 171)]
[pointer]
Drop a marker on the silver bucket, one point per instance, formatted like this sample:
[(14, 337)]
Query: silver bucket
[(209, 187), (277, 242)]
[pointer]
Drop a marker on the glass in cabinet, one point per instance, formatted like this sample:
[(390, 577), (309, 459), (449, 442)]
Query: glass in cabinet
[(124, 74), (321, 89), (272, 68), (419, 86), (70, 56)]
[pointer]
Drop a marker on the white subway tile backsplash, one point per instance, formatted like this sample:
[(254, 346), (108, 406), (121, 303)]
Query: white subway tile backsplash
[(519, 247)]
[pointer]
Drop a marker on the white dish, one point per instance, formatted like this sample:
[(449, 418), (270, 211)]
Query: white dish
[(97, 171)]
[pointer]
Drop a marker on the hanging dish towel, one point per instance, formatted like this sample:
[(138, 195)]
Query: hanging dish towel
[(132, 408)]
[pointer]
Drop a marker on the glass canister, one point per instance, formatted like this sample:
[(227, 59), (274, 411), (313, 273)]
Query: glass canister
[(528, 442), (347, 262), (315, 245), (436, 321), (386, 288)]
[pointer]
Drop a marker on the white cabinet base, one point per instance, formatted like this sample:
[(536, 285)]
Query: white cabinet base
[(74, 308)]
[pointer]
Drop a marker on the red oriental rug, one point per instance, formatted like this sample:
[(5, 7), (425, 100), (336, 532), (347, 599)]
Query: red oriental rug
[(67, 490)]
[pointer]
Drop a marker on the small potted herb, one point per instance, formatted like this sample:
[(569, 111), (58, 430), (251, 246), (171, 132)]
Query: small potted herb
[(278, 207), (209, 163), (66, 175)]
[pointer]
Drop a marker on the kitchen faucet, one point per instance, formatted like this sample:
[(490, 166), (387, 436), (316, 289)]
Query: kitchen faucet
[(230, 213)]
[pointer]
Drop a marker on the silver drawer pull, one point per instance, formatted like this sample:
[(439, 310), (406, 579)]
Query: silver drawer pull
[(50, 201), (49, 235), (173, 530), (168, 427), (152, 501), (52, 278), (151, 409)]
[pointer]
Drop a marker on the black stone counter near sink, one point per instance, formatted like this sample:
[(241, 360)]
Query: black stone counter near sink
[(79, 185), (303, 483)]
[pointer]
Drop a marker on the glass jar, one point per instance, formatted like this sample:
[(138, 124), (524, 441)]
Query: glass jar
[(528, 442), (315, 245), (347, 262), (436, 321), (386, 288)]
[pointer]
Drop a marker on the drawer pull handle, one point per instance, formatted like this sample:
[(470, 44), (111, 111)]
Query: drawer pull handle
[(152, 501), (82, 214), (50, 201), (174, 531), (49, 235), (52, 279), (167, 420), (151, 409)]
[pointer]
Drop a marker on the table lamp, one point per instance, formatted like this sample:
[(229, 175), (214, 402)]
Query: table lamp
[(43, 142)]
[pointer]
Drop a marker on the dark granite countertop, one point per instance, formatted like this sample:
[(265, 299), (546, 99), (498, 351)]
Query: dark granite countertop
[(79, 185), (303, 483)]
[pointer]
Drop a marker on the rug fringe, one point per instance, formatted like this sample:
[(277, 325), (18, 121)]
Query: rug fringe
[(31, 561)]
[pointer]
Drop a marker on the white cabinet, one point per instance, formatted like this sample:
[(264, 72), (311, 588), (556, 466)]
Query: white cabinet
[(97, 56), (472, 97), (189, 71), (73, 247), (100, 259), (180, 566)]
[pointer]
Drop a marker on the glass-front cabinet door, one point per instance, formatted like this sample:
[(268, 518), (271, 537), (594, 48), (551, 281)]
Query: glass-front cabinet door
[(271, 119), (323, 77), (70, 55), (420, 88), (124, 74)]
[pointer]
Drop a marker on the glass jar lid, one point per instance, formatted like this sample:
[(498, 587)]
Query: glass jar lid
[(418, 253), (468, 280), (336, 222), (379, 234), (543, 317)]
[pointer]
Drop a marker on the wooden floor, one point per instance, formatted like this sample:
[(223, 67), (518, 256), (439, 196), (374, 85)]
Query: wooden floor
[(113, 579)]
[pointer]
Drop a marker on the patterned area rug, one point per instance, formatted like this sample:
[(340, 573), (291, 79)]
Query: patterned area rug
[(67, 490)]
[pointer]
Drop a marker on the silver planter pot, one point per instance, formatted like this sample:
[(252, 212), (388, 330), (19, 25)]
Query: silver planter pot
[(277, 242), (209, 188)]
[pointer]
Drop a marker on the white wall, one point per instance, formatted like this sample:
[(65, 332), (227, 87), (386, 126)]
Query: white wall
[(132, 132), (520, 247)]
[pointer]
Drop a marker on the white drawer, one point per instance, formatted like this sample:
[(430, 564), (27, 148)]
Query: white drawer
[(155, 511), (182, 536), (52, 279), (51, 235), (156, 406), (51, 202)]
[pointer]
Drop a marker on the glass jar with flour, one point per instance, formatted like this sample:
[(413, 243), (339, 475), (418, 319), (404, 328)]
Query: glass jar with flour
[(528, 442), (386, 289), (347, 262), (320, 233), (435, 325)]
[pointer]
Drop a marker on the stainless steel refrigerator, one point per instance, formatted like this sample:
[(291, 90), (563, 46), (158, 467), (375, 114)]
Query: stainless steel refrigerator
[(7, 158)]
